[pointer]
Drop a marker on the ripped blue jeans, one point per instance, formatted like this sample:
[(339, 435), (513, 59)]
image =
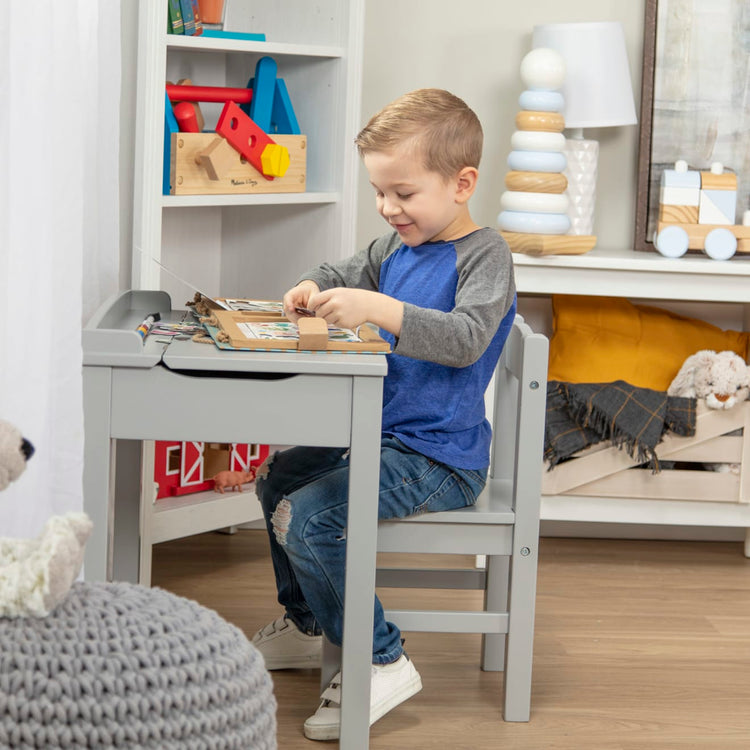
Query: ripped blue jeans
[(303, 492)]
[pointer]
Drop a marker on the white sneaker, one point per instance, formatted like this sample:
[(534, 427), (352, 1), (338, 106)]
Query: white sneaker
[(390, 684), (284, 646)]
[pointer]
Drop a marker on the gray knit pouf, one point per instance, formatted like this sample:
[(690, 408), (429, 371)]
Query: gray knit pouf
[(119, 665)]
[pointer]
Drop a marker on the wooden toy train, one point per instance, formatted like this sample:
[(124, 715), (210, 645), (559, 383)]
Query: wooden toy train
[(697, 212)]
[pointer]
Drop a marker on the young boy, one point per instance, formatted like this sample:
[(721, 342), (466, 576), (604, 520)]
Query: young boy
[(441, 290)]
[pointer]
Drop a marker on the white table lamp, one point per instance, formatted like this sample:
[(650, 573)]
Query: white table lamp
[(598, 93)]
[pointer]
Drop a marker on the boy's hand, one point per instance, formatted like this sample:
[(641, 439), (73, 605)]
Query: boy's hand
[(349, 308), (298, 296)]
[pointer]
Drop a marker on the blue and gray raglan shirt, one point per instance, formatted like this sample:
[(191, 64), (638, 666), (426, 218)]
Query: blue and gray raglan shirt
[(459, 304)]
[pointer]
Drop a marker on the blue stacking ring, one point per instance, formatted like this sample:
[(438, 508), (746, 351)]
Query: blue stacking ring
[(537, 161), (533, 223), (541, 101)]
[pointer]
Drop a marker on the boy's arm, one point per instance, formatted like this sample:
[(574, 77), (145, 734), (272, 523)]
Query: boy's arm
[(360, 271), (485, 292)]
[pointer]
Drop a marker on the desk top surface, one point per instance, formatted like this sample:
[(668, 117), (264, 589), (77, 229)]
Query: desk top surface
[(110, 340)]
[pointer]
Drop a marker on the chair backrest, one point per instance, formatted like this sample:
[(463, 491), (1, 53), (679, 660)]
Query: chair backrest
[(520, 396)]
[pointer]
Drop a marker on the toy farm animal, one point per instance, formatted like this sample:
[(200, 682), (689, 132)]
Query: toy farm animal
[(36, 574), (722, 379), (232, 479)]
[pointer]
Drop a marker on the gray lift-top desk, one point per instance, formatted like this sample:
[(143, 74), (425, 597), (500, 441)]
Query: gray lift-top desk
[(145, 390)]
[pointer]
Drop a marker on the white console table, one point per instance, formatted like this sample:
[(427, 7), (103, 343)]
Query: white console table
[(649, 276)]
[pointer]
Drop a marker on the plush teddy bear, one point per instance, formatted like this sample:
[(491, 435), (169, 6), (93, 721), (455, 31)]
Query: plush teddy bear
[(36, 574), (722, 379)]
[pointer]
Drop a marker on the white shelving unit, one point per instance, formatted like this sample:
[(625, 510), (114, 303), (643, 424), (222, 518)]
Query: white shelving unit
[(244, 245), (250, 245), (696, 280)]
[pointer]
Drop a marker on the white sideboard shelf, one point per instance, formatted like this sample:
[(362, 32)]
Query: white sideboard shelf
[(627, 273), (642, 276)]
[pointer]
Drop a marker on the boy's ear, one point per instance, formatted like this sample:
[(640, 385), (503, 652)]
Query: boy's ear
[(466, 182)]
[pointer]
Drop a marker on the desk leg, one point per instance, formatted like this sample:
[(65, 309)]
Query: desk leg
[(361, 550), (97, 459)]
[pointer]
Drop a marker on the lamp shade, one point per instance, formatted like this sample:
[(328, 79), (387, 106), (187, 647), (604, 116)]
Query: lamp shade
[(598, 92)]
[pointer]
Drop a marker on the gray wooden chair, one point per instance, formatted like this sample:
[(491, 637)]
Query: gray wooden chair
[(503, 525)]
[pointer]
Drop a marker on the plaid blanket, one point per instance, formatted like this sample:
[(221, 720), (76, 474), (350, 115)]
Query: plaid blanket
[(582, 414)]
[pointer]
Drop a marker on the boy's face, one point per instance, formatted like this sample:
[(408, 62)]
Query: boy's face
[(420, 205)]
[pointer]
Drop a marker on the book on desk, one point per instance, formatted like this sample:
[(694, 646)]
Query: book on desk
[(260, 325)]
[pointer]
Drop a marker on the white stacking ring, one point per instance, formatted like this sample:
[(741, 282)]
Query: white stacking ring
[(533, 223), (537, 140), (541, 101), (544, 203), (537, 161)]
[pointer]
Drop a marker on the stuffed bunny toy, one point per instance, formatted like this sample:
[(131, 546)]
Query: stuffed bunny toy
[(722, 379), (36, 574)]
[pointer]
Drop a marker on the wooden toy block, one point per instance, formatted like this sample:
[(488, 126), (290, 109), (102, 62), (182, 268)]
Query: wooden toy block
[(681, 178), (717, 207), (530, 120), (244, 135), (549, 244), (215, 94), (189, 117), (724, 181), (264, 88), (283, 119), (191, 178), (313, 334), (217, 158), (679, 196), (678, 214), (536, 182), (275, 160)]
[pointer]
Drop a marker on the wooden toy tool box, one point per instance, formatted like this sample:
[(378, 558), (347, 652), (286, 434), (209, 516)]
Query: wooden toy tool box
[(189, 177), (605, 471)]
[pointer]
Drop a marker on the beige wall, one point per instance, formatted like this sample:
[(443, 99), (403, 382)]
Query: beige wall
[(474, 48)]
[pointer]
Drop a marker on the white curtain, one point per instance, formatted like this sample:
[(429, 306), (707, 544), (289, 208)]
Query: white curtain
[(59, 210)]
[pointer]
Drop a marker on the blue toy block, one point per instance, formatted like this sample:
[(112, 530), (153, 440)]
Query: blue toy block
[(681, 178), (283, 119), (717, 207), (170, 126), (264, 87)]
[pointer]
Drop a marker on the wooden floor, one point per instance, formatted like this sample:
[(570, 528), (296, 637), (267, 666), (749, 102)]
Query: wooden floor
[(639, 646)]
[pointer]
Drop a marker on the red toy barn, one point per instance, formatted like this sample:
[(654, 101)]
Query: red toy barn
[(184, 467)]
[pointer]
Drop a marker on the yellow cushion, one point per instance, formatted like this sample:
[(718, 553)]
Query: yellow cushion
[(602, 339)]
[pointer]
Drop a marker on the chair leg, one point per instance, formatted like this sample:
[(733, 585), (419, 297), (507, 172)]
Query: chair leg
[(495, 600), (520, 640), (331, 663)]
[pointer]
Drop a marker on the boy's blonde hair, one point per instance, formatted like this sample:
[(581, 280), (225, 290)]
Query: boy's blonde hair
[(443, 129)]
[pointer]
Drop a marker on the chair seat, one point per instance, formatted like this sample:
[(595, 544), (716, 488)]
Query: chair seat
[(485, 528), (492, 506)]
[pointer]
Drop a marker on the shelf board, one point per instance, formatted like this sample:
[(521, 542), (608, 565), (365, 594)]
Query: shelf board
[(629, 273), (199, 44), (250, 199), (185, 515)]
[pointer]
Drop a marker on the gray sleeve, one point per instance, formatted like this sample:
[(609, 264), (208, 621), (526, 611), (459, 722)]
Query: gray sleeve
[(485, 292), (360, 271)]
